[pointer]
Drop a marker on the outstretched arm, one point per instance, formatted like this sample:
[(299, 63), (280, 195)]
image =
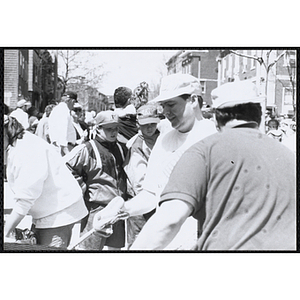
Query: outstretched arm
[(163, 226), (142, 203)]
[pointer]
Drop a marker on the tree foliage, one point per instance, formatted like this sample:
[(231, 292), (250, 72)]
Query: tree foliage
[(76, 63)]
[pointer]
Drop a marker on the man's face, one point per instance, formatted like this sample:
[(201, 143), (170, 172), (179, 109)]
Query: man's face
[(273, 125), (78, 113), (180, 113), (108, 132), (148, 129)]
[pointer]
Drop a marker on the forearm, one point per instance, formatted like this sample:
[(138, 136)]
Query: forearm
[(155, 235), (12, 221), (163, 226), (142, 203)]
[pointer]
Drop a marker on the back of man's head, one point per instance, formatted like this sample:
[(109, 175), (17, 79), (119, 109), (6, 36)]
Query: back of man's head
[(71, 95), (237, 101), (69, 98), (121, 96)]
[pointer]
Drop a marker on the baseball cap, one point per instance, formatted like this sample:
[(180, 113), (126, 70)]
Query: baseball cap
[(77, 107), (22, 103), (106, 117), (147, 114), (234, 93), (175, 85), (71, 95)]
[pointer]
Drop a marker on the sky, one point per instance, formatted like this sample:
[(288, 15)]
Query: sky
[(125, 67)]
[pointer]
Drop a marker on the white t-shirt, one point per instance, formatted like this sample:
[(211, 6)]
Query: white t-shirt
[(42, 184), (61, 129), (168, 149)]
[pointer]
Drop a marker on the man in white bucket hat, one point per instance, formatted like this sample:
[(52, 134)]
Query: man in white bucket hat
[(180, 97), (242, 194)]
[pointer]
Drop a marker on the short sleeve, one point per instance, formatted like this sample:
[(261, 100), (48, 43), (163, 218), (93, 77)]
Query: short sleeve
[(188, 180)]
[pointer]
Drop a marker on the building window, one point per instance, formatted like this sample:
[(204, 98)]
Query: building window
[(186, 66), (253, 53), (288, 96), (290, 58), (230, 66), (35, 74), (245, 59), (224, 65), (203, 85)]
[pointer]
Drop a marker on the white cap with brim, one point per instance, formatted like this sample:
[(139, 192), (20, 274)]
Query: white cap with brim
[(149, 120), (23, 102), (234, 93), (176, 85), (147, 114), (107, 117)]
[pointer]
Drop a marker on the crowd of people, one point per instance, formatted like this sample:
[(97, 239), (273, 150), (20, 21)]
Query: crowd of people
[(160, 162), (283, 130)]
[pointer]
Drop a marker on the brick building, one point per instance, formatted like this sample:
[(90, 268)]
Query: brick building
[(199, 63), (28, 74), (15, 76), (278, 82), (90, 98)]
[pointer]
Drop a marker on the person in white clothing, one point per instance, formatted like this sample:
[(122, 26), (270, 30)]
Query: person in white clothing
[(81, 133), (180, 97), (61, 130), (20, 113), (42, 129), (43, 187)]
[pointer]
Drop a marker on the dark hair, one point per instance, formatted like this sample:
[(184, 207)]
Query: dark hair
[(6, 109), (274, 121), (32, 111), (14, 130), (122, 96), (48, 109), (71, 95), (200, 99), (245, 112)]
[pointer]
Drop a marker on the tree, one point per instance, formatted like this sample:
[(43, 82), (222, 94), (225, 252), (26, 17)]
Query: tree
[(161, 72), (263, 62), (75, 63), (291, 69), (267, 63)]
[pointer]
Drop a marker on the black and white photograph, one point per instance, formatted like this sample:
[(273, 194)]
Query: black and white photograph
[(149, 149)]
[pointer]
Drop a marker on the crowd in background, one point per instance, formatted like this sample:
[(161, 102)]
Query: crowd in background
[(107, 154)]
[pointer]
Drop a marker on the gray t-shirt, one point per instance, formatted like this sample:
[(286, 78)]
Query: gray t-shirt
[(241, 185)]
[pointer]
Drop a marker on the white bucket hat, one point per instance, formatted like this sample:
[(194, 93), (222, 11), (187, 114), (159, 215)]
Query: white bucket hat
[(22, 103), (233, 93), (176, 85)]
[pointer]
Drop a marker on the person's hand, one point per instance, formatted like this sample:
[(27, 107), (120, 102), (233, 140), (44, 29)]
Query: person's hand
[(108, 213), (9, 239)]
